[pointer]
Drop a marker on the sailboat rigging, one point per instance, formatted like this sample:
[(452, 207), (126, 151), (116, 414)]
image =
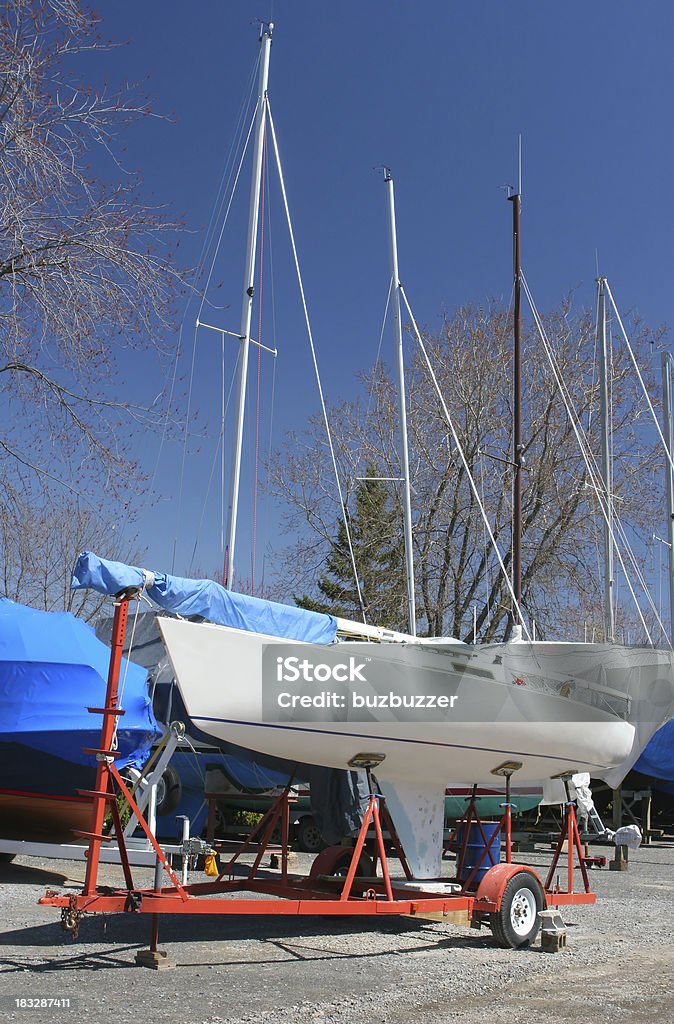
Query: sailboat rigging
[(538, 709), (247, 301), (609, 616)]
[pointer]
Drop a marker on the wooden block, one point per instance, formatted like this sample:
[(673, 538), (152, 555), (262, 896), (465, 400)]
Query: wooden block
[(156, 960)]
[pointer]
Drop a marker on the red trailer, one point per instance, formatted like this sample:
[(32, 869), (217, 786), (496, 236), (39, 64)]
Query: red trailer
[(347, 881)]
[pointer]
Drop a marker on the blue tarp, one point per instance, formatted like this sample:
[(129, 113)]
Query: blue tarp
[(52, 668), (657, 759), (206, 599)]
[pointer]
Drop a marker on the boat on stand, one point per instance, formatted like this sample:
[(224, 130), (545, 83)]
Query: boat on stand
[(429, 711)]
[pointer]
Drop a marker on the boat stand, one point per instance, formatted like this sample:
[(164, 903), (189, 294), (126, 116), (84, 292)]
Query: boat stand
[(343, 881)]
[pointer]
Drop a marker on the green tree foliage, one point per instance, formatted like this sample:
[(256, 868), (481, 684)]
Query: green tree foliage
[(379, 556)]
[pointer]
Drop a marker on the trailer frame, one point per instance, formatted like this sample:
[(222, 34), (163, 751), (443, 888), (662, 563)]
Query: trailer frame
[(343, 881)]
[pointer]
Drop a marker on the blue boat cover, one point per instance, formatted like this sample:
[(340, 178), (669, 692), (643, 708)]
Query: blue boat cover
[(207, 599), (52, 668), (658, 757)]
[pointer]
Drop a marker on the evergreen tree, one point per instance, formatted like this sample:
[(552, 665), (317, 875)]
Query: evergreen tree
[(378, 547)]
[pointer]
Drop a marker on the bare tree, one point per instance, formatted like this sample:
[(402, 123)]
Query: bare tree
[(39, 545), (458, 577), (86, 268)]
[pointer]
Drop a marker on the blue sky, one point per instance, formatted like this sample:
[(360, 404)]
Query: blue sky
[(439, 91)]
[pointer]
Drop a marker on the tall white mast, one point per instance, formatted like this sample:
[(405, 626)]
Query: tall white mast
[(248, 292), (609, 612), (669, 438), (404, 455)]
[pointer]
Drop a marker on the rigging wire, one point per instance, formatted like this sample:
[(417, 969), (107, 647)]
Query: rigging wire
[(194, 343), (225, 178), (222, 450), (231, 192), (359, 455), (590, 462), (485, 549), (590, 412), (345, 517), (670, 456), (218, 447), (489, 580), (256, 463), (459, 448), (588, 457), (272, 283)]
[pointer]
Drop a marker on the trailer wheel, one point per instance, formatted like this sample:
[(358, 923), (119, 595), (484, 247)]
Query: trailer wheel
[(169, 791), (516, 923), (309, 838), (341, 866)]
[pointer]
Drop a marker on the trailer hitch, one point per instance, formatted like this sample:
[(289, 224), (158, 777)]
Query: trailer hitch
[(71, 917)]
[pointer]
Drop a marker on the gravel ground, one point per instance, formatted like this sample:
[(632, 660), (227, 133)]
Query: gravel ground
[(619, 963)]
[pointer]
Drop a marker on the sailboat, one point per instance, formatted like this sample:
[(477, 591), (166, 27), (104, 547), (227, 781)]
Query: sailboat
[(52, 670), (430, 711), (532, 710)]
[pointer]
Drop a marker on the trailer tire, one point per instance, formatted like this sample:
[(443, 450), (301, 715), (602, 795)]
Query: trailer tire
[(169, 791), (341, 866), (516, 923), (309, 838)]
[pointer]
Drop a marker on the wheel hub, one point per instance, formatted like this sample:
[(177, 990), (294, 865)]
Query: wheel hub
[(523, 911)]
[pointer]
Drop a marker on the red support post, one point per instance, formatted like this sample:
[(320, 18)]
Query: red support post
[(360, 842), (380, 846), (570, 833), (570, 846), (285, 836), (104, 756)]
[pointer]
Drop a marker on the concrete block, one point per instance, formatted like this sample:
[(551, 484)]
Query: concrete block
[(620, 860), (553, 931)]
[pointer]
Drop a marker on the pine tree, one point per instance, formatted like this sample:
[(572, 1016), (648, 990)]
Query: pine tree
[(378, 547)]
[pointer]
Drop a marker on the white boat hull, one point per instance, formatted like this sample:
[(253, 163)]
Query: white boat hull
[(550, 708)]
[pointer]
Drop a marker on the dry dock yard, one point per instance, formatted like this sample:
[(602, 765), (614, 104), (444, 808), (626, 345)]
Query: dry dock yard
[(618, 963)]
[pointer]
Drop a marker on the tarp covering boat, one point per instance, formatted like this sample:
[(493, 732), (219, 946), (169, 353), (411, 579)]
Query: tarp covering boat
[(657, 759), (52, 668), (338, 798), (206, 599)]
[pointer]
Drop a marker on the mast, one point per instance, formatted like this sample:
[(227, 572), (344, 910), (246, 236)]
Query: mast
[(669, 438), (609, 611), (404, 454), (248, 293), (516, 200)]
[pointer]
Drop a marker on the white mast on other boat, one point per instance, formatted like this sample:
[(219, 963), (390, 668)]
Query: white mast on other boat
[(609, 613), (669, 443), (404, 452), (248, 293)]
